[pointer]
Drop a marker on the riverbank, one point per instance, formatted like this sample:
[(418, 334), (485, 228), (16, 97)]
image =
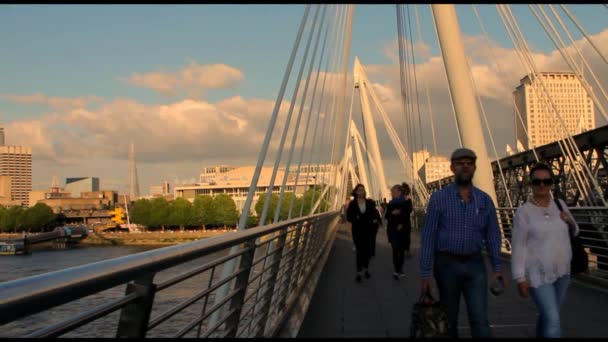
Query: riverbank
[(166, 238)]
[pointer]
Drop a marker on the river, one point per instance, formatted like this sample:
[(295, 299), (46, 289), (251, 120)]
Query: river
[(48, 260)]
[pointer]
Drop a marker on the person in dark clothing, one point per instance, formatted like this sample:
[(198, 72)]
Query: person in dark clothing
[(398, 226), (364, 217), (408, 228)]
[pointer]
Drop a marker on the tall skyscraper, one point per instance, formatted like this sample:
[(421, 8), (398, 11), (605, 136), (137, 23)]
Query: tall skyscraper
[(573, 103), (16, 162), (133, 181)]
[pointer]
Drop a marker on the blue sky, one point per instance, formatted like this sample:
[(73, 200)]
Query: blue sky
[(77, 50), (89, 50)]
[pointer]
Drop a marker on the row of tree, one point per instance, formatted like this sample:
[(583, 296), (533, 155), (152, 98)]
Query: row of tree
[(217, 211), (38, 218), (205, 211)]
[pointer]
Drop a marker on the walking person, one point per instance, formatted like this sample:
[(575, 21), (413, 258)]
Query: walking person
[(541, 252), (408, 229), (398, 226), (363, 216), (459, 218)]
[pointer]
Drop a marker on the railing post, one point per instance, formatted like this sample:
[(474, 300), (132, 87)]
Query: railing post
[(236, 303), (134, 317), (290, 268), (274, 271)]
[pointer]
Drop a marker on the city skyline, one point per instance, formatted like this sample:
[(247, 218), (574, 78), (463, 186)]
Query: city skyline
[(198, 90)]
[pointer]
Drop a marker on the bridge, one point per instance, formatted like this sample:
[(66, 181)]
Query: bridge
[(61, 237), (294, 277)]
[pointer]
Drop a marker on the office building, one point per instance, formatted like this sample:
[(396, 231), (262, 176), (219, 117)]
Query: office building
[(573, 104), (435, 168), (16, 162)]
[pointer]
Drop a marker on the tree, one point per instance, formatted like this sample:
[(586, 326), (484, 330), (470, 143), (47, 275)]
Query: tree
[(259, 206), (310, 197), (181, 213), (140, 212), (10, 218), (251, 221), (159, 212), (203, 210), (226, 213), (39, 218), (285, 206), (2, 213)]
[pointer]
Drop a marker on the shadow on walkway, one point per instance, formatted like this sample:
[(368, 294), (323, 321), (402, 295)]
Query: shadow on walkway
[(381, 306)]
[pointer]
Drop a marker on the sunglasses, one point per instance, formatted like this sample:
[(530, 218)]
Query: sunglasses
[(545, 181)]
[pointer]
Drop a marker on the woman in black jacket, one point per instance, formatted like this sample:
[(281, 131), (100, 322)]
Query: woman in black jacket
[(363, 216), (399, 226)]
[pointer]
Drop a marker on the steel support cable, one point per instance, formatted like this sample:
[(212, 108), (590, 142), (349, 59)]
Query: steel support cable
[(328, 64), (584, 61), (407, 105), (347, 146), (577, 158), (293, 100), (594, 185), (402, 92), (338, 26), (525, 64), (397, 143), (583, 31), (521, 46), (336, 107), (405, 81), (446, 75), (409, 87), (330, 107), (426, 86), (298, 120), (500, 70), (310, 115), (230, 265), (409, 21)]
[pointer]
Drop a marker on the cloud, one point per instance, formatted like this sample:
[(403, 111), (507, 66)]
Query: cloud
[(187, 132), (192, 80), (52, 102)]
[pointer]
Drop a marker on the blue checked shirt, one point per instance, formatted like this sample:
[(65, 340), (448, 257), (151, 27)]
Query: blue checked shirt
[(455, 226)]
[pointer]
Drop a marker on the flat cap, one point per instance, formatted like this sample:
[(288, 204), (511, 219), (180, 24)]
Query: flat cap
[(463, 153)]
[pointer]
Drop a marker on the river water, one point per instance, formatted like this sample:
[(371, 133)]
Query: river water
[(48, 260)]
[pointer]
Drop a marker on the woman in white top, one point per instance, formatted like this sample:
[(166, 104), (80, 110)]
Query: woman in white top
[(541, 252)]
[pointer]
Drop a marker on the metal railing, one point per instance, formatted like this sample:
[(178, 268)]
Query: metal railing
[(593, 225), (123, 297)]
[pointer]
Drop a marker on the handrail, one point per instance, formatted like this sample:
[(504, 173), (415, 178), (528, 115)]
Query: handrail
[(23, 297)]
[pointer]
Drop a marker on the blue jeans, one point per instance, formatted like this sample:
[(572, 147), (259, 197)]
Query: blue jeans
[(549, 299), (455, 278)]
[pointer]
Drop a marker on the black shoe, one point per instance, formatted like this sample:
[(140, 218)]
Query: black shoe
[(367, 275), (358, 278), (396, 275)]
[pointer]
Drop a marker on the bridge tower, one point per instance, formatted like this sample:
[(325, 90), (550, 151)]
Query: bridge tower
[(463, 94)]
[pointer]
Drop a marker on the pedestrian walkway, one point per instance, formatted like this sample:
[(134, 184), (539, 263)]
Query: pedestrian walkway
[(381, 306)]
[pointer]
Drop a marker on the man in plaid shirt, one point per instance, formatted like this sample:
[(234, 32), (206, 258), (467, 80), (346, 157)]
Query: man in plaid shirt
[(460, 220)]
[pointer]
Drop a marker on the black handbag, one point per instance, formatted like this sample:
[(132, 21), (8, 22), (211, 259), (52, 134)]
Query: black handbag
[(429, 318), (580, 259)]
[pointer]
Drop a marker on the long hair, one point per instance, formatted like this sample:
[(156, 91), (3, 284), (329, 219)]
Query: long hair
[(354, 193)]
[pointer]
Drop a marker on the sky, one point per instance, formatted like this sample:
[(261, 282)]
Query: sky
[(80, 82)]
